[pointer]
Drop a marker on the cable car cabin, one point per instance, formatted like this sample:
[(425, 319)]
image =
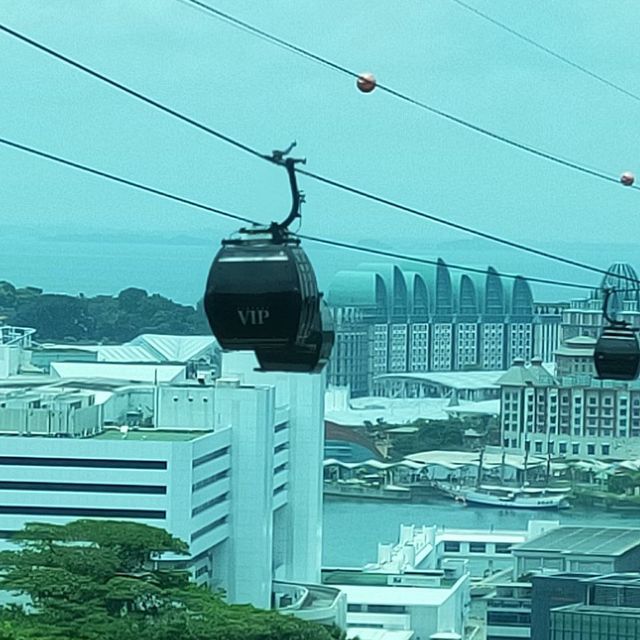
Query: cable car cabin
[(617, 354), (310, 357), (262, 294)]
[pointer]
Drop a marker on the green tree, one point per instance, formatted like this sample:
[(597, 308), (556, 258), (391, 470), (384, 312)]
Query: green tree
[(101, 318), (99, 580)]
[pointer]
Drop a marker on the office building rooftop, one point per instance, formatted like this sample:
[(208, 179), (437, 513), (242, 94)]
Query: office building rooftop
[(601, 541)]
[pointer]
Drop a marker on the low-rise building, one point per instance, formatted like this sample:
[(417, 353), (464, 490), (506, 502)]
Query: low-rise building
[(429, 602), (609, 607)]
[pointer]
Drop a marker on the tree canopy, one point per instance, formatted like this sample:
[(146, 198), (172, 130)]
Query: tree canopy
[(98, 580), (100, 318)]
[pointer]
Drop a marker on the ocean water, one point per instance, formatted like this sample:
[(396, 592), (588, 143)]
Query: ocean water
[(352, 529), (177, 266)]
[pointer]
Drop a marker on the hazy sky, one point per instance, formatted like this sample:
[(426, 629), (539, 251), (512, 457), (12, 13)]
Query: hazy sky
[(265, 96)]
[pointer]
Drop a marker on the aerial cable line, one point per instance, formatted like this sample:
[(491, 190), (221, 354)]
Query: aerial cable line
[(128, 90), (393, 254), (126, 181), (328, 181), (325, 241), (265, 35), (460, 227), (547, 50)]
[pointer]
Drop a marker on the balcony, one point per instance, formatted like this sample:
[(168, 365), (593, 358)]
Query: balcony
[(311, 602)]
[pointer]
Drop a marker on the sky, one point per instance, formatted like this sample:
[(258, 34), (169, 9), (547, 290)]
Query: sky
[(433, 50)]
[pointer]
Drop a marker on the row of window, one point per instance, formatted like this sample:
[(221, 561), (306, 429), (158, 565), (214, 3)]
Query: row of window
[(78, 487), (452, 546), (87, 512), (198, 462), (376, 608), (209, 504), (91, 463), (210, 480), (210, 527)]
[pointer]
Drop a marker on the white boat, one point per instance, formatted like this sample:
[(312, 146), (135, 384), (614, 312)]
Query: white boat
[(512, 498)]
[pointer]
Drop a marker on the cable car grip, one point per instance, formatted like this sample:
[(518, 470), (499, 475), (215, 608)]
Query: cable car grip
[(279, 229), (608, 292)]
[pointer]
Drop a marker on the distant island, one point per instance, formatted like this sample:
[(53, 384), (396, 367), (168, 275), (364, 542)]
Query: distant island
[(103, 318)]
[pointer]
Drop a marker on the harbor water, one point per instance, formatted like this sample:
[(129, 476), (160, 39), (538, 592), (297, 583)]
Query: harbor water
[(353, 528)]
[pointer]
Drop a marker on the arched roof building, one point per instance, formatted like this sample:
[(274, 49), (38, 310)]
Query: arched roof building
[(391, 319), (431, 293)]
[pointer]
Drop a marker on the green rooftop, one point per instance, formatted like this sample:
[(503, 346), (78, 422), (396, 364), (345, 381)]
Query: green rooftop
[(154, 435)]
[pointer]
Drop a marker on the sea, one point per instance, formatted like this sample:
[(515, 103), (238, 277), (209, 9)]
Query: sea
[(176, 265), (353, 528)]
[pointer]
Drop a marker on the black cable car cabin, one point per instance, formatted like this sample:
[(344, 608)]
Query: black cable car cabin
[(617, 354), (262, 295), (311, 356)]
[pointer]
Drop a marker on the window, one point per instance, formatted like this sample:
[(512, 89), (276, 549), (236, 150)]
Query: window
[(210, 456), (91, 463), (83, 512), (451, 547), (591, 449), (477, 547), (386, 608), (210, 527), (94, 487), (508, 618), (503, 547), (606, 449), (210, 480), (208, 504)]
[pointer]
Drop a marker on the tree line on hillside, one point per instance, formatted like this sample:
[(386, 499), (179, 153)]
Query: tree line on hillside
[(98, 580), (102, 318)]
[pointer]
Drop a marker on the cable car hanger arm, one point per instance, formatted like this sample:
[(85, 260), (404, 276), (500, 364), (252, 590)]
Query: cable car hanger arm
[(297, 196)]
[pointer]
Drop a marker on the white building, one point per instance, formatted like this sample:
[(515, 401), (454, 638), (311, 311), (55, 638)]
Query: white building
[(571, 413), (233, 468)]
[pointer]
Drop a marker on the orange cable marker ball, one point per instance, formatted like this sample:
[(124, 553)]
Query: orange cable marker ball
[(366, 82), (627, 178)]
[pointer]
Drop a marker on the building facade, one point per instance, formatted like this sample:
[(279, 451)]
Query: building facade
[(571, 413), (234, 468), (609, 608), (584, 317), (392, 320)]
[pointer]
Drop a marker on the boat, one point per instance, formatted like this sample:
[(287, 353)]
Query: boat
[(523, 497), (356, 488), (513, 498)]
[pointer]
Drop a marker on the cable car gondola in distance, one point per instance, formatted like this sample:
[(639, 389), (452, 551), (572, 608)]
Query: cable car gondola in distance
[(617, 352), (262, 295)]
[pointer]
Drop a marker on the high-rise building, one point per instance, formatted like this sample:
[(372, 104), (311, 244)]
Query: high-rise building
[(391, 320), (233, 467)]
